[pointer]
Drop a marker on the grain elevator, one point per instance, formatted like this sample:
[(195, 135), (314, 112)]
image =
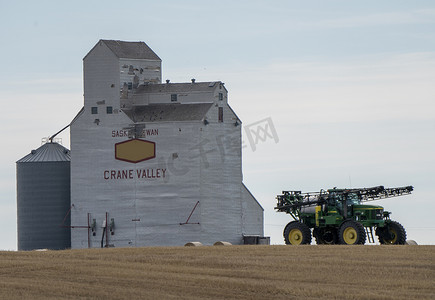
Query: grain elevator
[(152, 163)]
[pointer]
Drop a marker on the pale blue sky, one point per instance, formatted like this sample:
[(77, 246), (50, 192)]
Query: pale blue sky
[(347, 84)]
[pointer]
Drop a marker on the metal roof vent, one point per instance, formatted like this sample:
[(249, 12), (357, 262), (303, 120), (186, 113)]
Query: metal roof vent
[(193, 80)]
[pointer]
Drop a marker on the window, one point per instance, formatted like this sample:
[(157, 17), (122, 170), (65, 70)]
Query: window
[(94, 110), (221, 96), (352, 199), (109, 110), (221, 114), (173, 97), (130, 85)]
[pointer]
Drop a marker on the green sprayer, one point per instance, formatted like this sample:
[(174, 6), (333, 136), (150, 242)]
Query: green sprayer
[(337, 216)]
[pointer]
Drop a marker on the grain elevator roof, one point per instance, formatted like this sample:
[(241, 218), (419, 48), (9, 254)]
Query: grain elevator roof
[(168, 112), (135, 50), (177, 87), (49, 152)]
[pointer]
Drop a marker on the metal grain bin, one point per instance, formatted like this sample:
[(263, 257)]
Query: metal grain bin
[(43, 198)]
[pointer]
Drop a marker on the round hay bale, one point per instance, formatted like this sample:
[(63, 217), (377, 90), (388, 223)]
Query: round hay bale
[(221, 243), (410, 242), (193, 244)]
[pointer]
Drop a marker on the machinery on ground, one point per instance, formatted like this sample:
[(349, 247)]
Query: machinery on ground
[(337, 216)]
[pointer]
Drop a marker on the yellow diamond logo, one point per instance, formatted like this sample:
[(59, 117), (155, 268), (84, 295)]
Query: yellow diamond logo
[(135, 150)]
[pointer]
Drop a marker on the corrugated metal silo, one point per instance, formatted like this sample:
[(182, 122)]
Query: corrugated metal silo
[(43, 198)]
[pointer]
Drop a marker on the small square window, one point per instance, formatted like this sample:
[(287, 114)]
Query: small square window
[(173, 97), (109, 110), (94, 110), (221, 96)]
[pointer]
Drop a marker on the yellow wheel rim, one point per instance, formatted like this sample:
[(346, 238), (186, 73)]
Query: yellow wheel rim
[(350, 235), (394, 235), (295, 237)]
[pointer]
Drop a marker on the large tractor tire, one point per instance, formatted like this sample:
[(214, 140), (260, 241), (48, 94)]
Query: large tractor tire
[(392, 234), (328, 236), (297, 233), (351, 233)]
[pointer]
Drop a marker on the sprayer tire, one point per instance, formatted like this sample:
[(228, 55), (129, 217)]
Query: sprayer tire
[(397, 232), (351, 233), (297, 233), (328, 236)]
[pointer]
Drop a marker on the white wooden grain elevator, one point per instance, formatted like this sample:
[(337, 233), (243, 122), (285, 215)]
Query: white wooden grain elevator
[(152, 163)]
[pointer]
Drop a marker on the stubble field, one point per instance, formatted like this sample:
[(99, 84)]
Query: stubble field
[(221, 272)]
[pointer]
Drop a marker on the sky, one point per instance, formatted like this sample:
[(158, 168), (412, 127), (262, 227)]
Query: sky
[(347, 87)]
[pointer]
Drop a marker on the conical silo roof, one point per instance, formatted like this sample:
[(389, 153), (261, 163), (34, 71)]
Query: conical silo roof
[(48, 152)]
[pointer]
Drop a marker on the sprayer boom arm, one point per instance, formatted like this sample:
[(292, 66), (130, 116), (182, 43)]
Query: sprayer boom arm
[(290, 200)]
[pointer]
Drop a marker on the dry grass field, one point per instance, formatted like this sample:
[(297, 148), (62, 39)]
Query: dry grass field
[(221, 272)]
